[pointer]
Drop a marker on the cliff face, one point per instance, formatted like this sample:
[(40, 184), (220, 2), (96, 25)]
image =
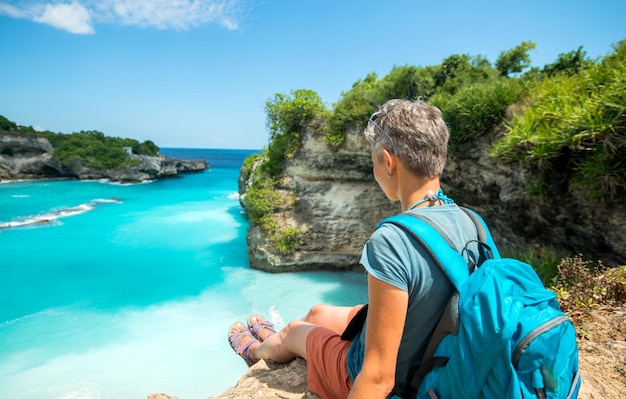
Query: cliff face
[(24, 156), (566, 221), (30, 157), (338, 204)]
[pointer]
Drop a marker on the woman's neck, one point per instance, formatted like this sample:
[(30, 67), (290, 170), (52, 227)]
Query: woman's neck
[(421, 196)]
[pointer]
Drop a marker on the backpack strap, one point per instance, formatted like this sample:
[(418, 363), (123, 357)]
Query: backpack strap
[(484, 235), (442, 250), (433, 242)]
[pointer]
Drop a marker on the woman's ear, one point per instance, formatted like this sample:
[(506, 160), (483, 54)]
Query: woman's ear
[(390, 161)]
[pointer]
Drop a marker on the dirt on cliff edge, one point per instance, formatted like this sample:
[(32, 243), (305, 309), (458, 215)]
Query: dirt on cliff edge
[(602, 352)]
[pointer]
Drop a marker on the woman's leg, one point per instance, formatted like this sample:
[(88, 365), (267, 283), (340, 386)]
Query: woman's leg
[(335, 318), (290, 342), (285, 345)]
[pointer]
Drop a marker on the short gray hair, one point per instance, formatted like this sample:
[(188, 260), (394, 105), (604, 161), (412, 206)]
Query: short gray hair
[(414, 131)]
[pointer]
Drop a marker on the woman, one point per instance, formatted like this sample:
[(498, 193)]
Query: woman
[(407, 292)]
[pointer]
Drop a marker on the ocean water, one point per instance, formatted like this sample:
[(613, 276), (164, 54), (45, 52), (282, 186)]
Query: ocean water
[(119, 291)]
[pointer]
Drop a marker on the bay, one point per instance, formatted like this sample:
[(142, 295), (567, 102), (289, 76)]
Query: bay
[(119, 291)]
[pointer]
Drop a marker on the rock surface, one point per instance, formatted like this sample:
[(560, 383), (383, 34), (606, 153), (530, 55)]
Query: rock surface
[(30, 157), (338, 203), (337, 206), (598, 362), (272, 380)]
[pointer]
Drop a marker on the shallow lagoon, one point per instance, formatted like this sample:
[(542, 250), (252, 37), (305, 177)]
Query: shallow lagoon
[(127, 290)]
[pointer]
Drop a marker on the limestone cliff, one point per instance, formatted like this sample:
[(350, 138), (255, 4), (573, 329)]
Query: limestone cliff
[(567, 221), (30, 157), (337, 206), (338, 203)]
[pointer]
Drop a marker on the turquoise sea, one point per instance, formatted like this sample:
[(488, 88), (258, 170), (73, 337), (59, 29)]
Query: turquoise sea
[(119, 291)]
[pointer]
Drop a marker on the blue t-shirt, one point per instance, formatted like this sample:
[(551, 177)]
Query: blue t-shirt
[(395, 257)]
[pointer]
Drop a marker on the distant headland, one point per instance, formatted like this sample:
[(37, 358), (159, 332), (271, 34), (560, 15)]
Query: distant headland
[(86, 155)]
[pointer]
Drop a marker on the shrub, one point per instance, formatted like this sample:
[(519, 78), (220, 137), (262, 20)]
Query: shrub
[(261, 200), (475, 110), (287, 116), (94, 149), (514, 60), (353, 109), (571, 63), (580, 284), (575, 123), (287, 241), (248, 165)]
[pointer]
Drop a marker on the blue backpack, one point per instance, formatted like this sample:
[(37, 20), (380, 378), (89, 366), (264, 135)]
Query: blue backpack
[(502, 334)]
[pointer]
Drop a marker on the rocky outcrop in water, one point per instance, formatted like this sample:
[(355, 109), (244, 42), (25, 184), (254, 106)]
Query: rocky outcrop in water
[(30, 157), (336, 206)]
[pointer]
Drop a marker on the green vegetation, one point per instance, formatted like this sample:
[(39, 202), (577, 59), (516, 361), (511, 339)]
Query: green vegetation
[(262, 204), (474, 110), (593, 296), (94, 149), (287, 116), (581, 284), (564, 123), (87, 148), (261, 201), (515, 60), (286, 241)]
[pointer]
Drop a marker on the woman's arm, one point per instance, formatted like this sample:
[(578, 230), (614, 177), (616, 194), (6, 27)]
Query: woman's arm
[(385, 323)]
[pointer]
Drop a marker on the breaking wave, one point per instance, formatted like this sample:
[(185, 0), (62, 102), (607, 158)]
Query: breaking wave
[(51, 218)]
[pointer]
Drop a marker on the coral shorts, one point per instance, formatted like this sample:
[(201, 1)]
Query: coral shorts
[(327, 367)]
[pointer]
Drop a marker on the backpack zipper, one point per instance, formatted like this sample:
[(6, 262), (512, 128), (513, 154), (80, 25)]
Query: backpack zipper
[(534, 334)]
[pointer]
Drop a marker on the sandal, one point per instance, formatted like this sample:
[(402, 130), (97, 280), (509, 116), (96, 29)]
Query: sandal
[(256, 327), (237, 333)]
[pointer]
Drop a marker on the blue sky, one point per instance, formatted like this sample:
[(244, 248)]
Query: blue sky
[(194, 73)]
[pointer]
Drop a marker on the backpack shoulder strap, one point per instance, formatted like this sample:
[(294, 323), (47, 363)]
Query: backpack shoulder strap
[(436, 243), (484, 235), (443, 251)]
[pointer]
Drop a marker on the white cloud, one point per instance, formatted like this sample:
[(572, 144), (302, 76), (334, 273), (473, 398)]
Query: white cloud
[(73, 17), (171, 14), (12, 11), (79, 15)]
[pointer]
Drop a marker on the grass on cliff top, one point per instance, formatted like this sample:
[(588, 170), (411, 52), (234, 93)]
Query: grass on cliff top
[(571, 123)]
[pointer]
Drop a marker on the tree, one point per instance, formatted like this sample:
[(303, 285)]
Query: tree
[(7, 125), (287, 116), (514, 60), (457, 71), (569, 63)]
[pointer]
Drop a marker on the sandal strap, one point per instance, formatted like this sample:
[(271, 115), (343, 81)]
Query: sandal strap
[(242, 350), (238, 336), (258, 326)]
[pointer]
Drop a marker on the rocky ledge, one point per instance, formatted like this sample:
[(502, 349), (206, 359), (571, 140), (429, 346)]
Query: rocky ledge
[(288, 381), (30, 157)]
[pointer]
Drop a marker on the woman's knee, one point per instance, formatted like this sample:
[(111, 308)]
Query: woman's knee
[(317, 314), (293, 324)]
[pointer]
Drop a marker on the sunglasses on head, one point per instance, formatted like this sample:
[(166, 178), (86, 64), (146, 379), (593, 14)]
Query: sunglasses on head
[(372, 122)]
